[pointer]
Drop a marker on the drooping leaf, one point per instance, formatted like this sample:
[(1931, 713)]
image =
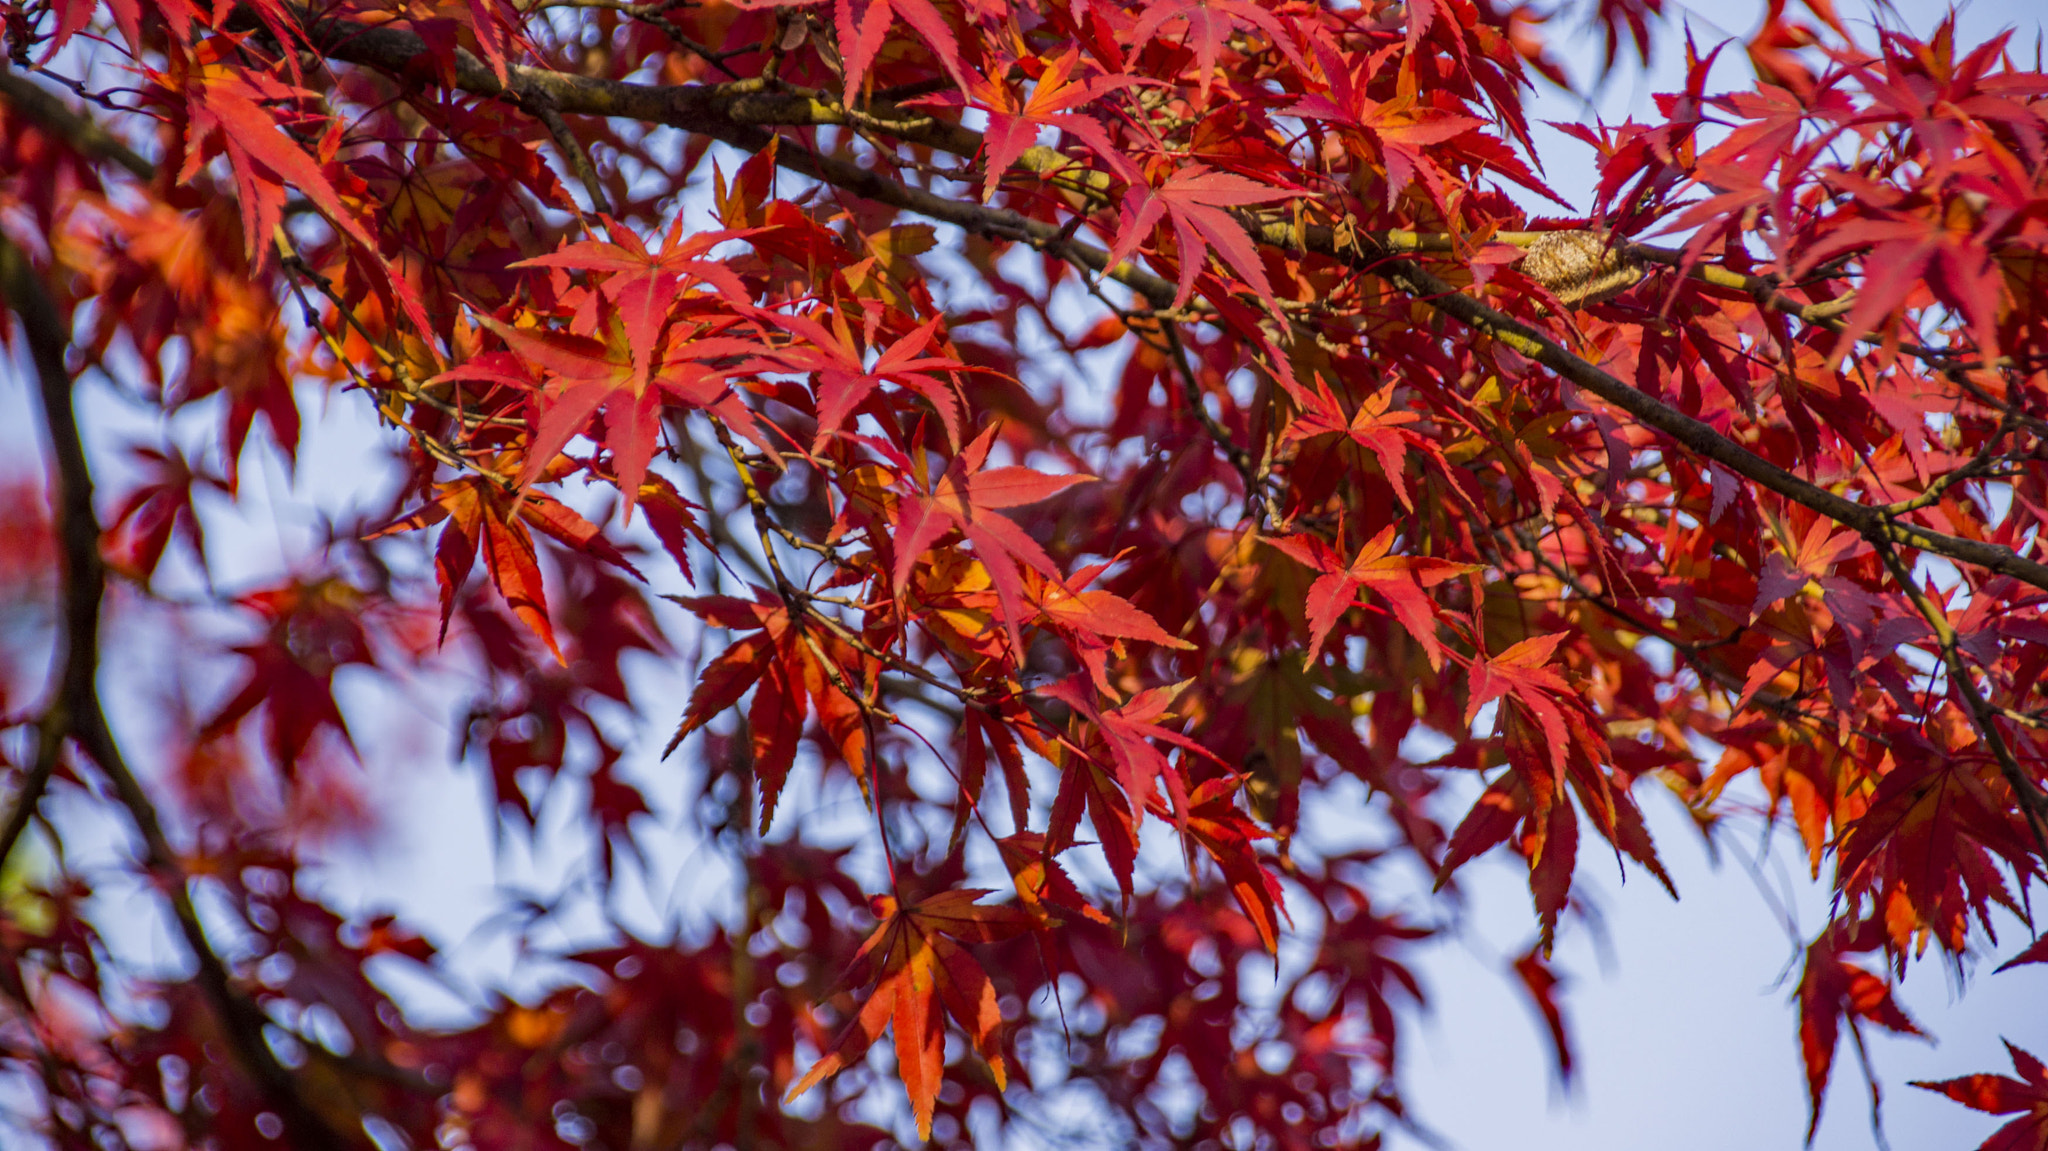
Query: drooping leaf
[(921, 976)]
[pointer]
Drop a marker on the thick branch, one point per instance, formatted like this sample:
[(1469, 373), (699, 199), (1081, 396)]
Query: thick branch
[(1695, 435), (75, 712), (44, 107), (82, 576), (241, 1019), (2033, 804), (740, 114)]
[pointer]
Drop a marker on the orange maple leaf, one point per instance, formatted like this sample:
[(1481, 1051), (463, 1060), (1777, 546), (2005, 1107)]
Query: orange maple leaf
[(922, 967)]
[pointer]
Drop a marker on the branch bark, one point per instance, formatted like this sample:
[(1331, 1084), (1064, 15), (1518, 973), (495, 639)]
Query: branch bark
[(75, 711), (80, 569), (2027, 794), (46, 108), (1874, 523), (742, 114)]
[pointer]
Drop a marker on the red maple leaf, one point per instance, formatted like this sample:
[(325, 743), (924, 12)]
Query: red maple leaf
[(1043, 886), (2036, 952), (1403, 127), (1819, 552), (786, 669), (483, 515), (1831, 989), (2001, 1096), (151, 514), (1399, 580), (1195, 198), (1215, 823), (863, 27), (1542, 984), (314, 629), (227, 113), (643, 285), (1095, 621), (1556, 749), (1374, 426), (1521, 673), (620, 378), (961, 499), (843, 379), (1206, 25), (1930, 842), (1128, 731), (923, 975), (1921, 240), (1014, 125)]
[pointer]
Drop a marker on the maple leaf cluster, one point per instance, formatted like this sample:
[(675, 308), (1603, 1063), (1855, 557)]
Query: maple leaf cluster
[(1151, 466)]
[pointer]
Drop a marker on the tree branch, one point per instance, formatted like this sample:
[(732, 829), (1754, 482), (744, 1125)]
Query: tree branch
[(1697, 436), (83, 134), (81, 571), (741, 114), (76, 713), (2027, 794), (573, 151)]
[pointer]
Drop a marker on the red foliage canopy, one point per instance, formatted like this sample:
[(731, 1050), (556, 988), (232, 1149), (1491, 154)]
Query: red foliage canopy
[(1049, 420)]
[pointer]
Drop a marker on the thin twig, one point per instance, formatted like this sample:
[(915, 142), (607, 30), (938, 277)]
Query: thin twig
[(578, 157)]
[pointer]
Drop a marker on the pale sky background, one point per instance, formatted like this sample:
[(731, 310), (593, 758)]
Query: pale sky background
[(1684, 1030)]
